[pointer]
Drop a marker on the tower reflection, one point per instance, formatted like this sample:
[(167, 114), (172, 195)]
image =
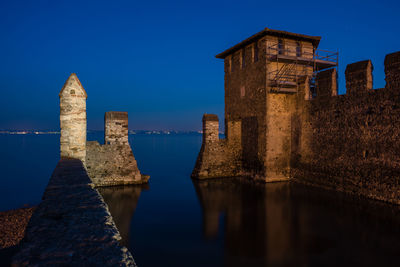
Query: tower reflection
[(256, 219), (286, 224), (122, 202)]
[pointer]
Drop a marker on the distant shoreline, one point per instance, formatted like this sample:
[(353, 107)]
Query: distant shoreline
[(131, 132)]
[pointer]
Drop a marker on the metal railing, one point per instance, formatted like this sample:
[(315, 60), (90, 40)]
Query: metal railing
[(294, 51), (288, 74)]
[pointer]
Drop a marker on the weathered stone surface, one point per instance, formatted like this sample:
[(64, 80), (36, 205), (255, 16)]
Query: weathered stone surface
[(326, 83), (72, 225), (353, 145), (216, 158), (113, 163), (257, 116), (116, 127), (359, 77), (392, 71), (347, 142), (73, 119)]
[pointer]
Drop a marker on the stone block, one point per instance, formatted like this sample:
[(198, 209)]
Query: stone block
[(359, 77), (392, 70), (326, 83)]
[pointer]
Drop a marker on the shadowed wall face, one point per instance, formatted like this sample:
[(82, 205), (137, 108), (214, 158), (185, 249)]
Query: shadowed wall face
[(326, 83), (113, 163), (354, 140), (359, 77), (392, 70), (73, 119)]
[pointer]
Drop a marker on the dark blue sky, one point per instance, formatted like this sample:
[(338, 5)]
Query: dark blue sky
[(155, 59)]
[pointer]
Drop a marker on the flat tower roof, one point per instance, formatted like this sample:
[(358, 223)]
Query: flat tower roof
[(314, 39)]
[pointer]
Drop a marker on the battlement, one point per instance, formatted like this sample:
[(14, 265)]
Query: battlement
[(359, 77), (392, 70), (299, 127), (350, 142), (326, 83)]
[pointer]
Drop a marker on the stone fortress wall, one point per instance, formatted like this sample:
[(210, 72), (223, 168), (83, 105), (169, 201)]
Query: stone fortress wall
[(110, 164), (351, 142), (217, 157), (72, 225), (113, 163), (348, 142)]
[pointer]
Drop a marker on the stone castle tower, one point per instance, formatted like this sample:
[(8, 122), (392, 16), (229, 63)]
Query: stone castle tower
[(113, 163), (263, 76), (284, 119), (73, 119)]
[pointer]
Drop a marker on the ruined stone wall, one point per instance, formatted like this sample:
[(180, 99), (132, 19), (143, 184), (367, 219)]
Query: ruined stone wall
[(73, 119), (355, 138), (113, 163), (72, 225), (116, 127), (217, 157)]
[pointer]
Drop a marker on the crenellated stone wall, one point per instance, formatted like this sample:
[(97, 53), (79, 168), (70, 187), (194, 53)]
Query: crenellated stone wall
[(349, 143), (113, 163), (354, 145), (73, 119), (72, 226)]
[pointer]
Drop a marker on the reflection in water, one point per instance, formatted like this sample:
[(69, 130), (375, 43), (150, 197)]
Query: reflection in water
[(294, 225), (122, 201)]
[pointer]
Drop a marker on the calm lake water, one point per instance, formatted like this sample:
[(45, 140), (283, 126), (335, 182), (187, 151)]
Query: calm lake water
[(176, 221)]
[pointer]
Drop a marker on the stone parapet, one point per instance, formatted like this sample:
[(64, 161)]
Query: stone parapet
[(352, 140), (359, 77), (72, 225), (326, 83), (392, 70)]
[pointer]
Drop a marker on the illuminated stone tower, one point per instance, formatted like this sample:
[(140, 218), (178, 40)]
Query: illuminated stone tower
[(267, 76), (73, 119)]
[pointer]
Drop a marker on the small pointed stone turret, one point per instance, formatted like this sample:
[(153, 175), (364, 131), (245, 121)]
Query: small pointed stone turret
[(73, 119)]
